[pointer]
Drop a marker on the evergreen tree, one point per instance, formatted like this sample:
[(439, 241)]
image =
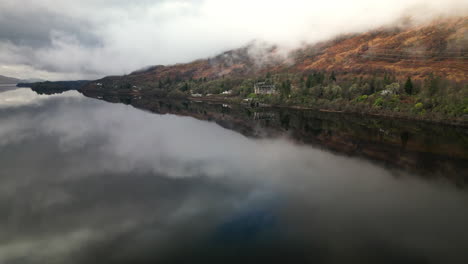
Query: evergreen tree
[(320, 78), (433, 84), (387, 79), (409, 86), (285, 88), (309, 82), (185, 87), (372, 85), (332, 77)]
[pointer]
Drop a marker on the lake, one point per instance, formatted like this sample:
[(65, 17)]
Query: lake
[(125, 179)]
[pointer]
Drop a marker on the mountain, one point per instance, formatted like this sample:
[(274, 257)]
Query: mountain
[(417, 71), (8, 80), (439, 47)]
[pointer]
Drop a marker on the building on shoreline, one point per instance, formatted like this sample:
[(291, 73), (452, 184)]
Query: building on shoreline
[(264, 88)]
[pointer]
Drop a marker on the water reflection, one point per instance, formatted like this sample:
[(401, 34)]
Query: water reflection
[(85, 181), (429, 150)]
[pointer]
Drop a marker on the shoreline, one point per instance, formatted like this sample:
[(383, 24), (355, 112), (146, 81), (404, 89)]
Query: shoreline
[(238, 101), (446, 122)]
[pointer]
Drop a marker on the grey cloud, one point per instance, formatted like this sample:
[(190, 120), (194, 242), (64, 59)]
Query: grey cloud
[(33, 28)]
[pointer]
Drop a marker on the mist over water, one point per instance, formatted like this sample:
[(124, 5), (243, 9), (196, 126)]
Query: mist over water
[(86, 181)]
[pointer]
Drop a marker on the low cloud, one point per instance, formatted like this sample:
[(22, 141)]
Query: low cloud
[(90, 39)]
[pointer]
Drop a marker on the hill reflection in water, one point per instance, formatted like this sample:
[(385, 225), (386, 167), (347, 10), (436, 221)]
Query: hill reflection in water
[(86, 181), (430, 150)]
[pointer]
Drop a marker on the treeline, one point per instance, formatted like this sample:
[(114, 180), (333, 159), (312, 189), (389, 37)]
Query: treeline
[(54, 87), (433, 96), (388, 93)]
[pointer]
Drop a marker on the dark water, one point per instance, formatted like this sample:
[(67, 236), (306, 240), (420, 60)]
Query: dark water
[(88, 181)]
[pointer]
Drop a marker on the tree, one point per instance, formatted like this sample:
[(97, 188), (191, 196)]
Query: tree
[(285, 88), (389, 79), (372, 85), (409, 86), (309, 81), (333, 77), (393, 88), (385, 79), (366, 89), (185, 87), (332, 91), (302, 86), (433, 84), (354, 90), (316, 91), (320, 78)]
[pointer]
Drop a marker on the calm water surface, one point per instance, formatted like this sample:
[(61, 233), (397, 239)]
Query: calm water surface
[(88, 181)]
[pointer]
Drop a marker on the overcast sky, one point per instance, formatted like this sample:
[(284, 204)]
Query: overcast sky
[(88, 39)]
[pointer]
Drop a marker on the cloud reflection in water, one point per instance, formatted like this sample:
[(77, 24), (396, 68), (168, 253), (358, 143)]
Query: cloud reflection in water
[(83, 181)]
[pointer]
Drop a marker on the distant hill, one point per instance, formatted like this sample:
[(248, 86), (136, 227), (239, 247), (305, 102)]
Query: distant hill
[(32, 80), (8, 80), (54, 87), (11, 80)]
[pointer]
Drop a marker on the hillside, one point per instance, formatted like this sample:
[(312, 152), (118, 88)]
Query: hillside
[(440, 47), (407, 70), (8, 80)]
